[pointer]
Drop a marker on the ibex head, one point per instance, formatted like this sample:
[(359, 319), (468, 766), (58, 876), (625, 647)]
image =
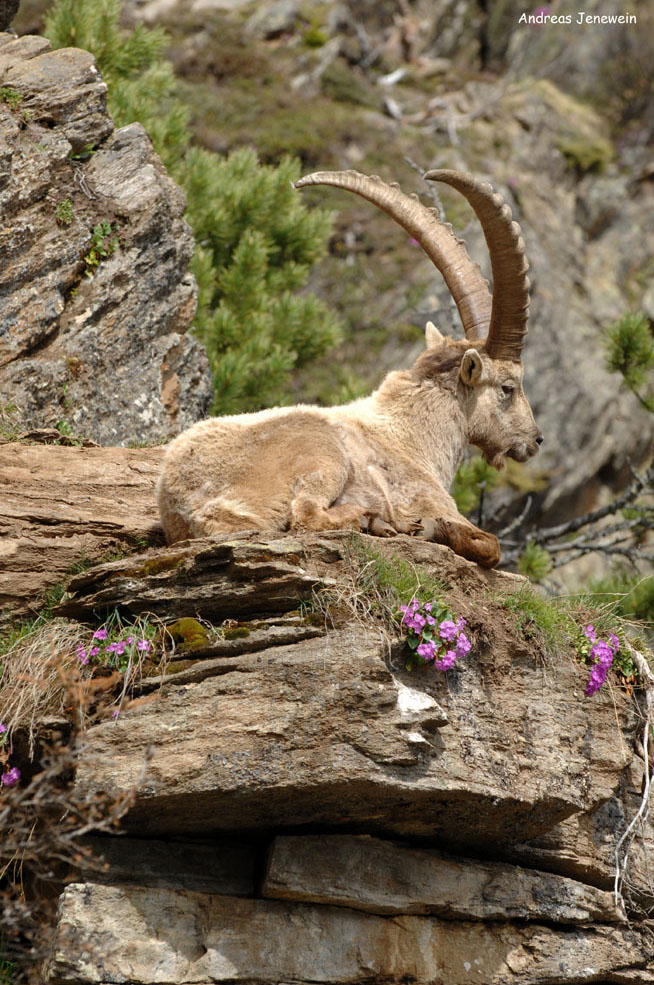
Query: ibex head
[(487, 364)]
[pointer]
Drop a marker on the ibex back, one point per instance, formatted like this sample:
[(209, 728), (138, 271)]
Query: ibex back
[(383, 463)]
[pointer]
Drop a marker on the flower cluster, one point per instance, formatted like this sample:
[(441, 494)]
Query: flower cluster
[(433, 636), (12, 775), (116, 649), (601, 654)]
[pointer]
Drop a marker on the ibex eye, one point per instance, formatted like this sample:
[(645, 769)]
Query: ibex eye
[(507, 390)]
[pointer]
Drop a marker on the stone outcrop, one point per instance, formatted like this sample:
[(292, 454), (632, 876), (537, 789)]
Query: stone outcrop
[(64, 506), (311, 811), (303, 807), (101, 346)]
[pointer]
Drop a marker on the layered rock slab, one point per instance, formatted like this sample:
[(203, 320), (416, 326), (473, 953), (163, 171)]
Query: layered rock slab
[(381, 877), (283, 735), (61, 506), (100, 346), (110, 934)]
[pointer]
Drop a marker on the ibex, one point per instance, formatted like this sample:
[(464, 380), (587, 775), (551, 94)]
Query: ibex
[(383, 463)]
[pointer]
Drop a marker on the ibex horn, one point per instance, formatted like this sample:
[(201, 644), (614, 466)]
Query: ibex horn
[(463, 277), (510, 310)]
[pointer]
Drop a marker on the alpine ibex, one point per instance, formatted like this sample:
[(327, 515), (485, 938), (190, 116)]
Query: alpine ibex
[(383, 463)]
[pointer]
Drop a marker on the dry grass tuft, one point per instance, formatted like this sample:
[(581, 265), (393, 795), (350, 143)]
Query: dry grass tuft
[(36, 674)]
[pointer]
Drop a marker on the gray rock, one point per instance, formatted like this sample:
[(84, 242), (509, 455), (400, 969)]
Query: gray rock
[(127, 934), (271, 20), (102, 347), (382, 877)]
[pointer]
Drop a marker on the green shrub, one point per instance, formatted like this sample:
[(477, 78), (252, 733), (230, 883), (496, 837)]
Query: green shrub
[(256, 239)]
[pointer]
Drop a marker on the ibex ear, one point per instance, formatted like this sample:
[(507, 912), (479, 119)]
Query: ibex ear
[(432, 336), (471, 367)]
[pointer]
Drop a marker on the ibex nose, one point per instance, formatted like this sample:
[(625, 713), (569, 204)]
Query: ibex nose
[(540, 439)]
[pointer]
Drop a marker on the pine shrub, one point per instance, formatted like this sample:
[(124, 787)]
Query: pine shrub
[(256, 240)]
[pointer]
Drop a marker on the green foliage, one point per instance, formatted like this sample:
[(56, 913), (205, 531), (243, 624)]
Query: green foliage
[(630, 351), (11, 424), (472, 476), (103, 245), (64, 213), (586, 155), (11, 97), (256, 239), (629, 594), (390, 581), (94, 25), (536, 616), (6, 967), (258, 245), (535, 562)]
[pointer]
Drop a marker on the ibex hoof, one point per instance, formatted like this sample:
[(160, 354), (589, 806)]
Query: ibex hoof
[(380, 528)]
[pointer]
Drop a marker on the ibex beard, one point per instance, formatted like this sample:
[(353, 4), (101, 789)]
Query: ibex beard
[(383, 463)]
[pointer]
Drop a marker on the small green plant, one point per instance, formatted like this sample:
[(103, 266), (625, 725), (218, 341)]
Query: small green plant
[(389, 580), (586, 155), (629, 345), (313, 37), (601, 655), (11, 424), (534, 562), (630, 594), (117, 644), (84, 154), (6, 967), (103, 245), (535, 616), (473, 476), (64, 213), (11, 97)]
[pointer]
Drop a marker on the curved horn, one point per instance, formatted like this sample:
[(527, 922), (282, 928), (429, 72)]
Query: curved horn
[(463, 277), (508, 320)]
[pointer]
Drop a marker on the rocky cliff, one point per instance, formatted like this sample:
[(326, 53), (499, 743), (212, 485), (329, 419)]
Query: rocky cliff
[(306, 809), (96, 299), (313, 812)]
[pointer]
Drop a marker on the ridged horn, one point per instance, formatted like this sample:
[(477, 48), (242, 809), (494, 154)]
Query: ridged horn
[(463, 277), (510, 310)]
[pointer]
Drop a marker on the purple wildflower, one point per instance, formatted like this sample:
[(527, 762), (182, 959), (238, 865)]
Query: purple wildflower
[(426, 650), (447, 661), (447, 630), (130, 639), (614, 642), (11, 778), (93, 652), (589, 631), (115, 713), (143, 645), (462, 645), (602, 653), (100, 634), (3, 727)]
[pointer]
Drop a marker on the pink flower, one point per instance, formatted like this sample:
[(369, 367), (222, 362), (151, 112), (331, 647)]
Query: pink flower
[(100, 634), (589, 631), (426, 650), (3, 727), (11, 778), (143, 645), (447, 630)]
